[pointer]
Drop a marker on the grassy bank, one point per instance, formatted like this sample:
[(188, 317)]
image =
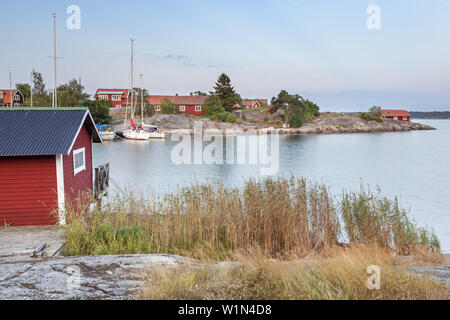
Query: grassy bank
[(338, 273), (280, 217)]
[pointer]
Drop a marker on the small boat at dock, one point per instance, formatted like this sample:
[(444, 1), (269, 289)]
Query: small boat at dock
[(106, 131)]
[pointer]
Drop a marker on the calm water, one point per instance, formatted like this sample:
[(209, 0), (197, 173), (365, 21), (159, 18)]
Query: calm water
[(415, 166)]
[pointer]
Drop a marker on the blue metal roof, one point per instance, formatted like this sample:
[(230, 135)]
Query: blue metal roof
[(42, 131)]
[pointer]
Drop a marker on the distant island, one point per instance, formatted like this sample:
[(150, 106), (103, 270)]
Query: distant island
[(430, 114)]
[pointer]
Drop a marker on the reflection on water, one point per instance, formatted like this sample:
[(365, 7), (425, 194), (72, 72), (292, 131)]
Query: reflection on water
[(414, 166)]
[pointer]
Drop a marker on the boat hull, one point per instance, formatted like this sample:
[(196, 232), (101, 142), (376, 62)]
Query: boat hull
[(136, 135), (107, 137), (157, 135)]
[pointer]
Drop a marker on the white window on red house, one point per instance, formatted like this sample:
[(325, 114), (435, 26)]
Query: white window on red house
[(157, 108), (182, 108), (79, 160), (103, 97), (198, 108), (16, 97), (116, 98)]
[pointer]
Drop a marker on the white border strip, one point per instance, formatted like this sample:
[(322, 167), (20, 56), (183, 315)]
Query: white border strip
[(60, 189)]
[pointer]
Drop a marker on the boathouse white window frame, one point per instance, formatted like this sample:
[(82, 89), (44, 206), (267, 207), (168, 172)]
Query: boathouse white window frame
[(182, 108), (157, 108), (116, 97), (81, 166), (198, 108)]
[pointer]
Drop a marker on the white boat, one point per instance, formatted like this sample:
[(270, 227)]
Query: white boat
[(154, 132), (136, 132)]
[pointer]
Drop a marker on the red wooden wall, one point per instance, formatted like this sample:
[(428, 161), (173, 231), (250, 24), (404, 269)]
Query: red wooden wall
[(191, 110), (82, 181), (28, 190)]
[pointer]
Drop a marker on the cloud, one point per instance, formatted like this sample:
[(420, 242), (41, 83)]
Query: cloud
[(183, 60)]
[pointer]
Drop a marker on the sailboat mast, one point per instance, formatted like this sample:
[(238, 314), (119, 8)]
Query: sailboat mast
[(132, 76), (55, 94), (142, 99)]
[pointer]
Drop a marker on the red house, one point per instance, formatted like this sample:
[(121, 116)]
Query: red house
[(118, 97), (401, 115), (254, 103), (183, 104), (45, 162), (5, 98)]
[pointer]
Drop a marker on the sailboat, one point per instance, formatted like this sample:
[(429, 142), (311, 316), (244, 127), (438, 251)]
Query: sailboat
[(135, 132), (152, 130)]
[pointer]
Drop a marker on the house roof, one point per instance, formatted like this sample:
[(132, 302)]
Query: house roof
[(6, 94), (265, 101), (395, 113), (179, 100), (251, 102), (122, 92), (31, 131)]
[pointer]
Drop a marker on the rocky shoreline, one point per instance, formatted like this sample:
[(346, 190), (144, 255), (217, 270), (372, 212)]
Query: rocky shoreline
[(320, 125), (114, 277)]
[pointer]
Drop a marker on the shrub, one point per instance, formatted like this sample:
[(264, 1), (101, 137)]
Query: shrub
[(369, 117), (167, 106), (232, 118), (99, 110)]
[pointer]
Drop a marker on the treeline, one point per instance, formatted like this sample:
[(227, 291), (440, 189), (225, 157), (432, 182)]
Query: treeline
[(69, 94), (294, 109), (430, 114)]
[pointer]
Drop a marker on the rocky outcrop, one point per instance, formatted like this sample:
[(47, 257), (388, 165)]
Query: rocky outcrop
[(111, 277), (91, 277), (351, 124), (320, 125)]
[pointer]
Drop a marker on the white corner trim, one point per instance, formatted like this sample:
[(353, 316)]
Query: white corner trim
[(60, 189)]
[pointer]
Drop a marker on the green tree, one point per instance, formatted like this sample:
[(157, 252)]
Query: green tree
[(297, 109), (38, 84), (167, 106), (376, 111), (71, 93), (40, 95), (99, 110), (200, 93), (374, 114), (149, 110), (24, 88), (213, 106), (225, 91)]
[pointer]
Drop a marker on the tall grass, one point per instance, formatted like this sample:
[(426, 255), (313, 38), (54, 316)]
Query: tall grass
[(338, 273), (280, 217)]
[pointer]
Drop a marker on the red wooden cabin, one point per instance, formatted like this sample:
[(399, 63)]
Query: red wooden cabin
[(118, 97), (45, 161), (5, 98), (183, 104), (401, 115)]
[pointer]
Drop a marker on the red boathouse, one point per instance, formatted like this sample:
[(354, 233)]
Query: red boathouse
[(45, 161), (401, 115)]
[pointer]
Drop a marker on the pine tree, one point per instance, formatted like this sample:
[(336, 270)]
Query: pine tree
[(225, 91)]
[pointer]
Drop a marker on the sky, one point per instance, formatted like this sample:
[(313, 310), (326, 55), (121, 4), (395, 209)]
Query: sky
[(320, 49)]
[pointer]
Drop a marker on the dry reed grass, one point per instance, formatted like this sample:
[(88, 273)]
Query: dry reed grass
[(280, 217), (338, 273)]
